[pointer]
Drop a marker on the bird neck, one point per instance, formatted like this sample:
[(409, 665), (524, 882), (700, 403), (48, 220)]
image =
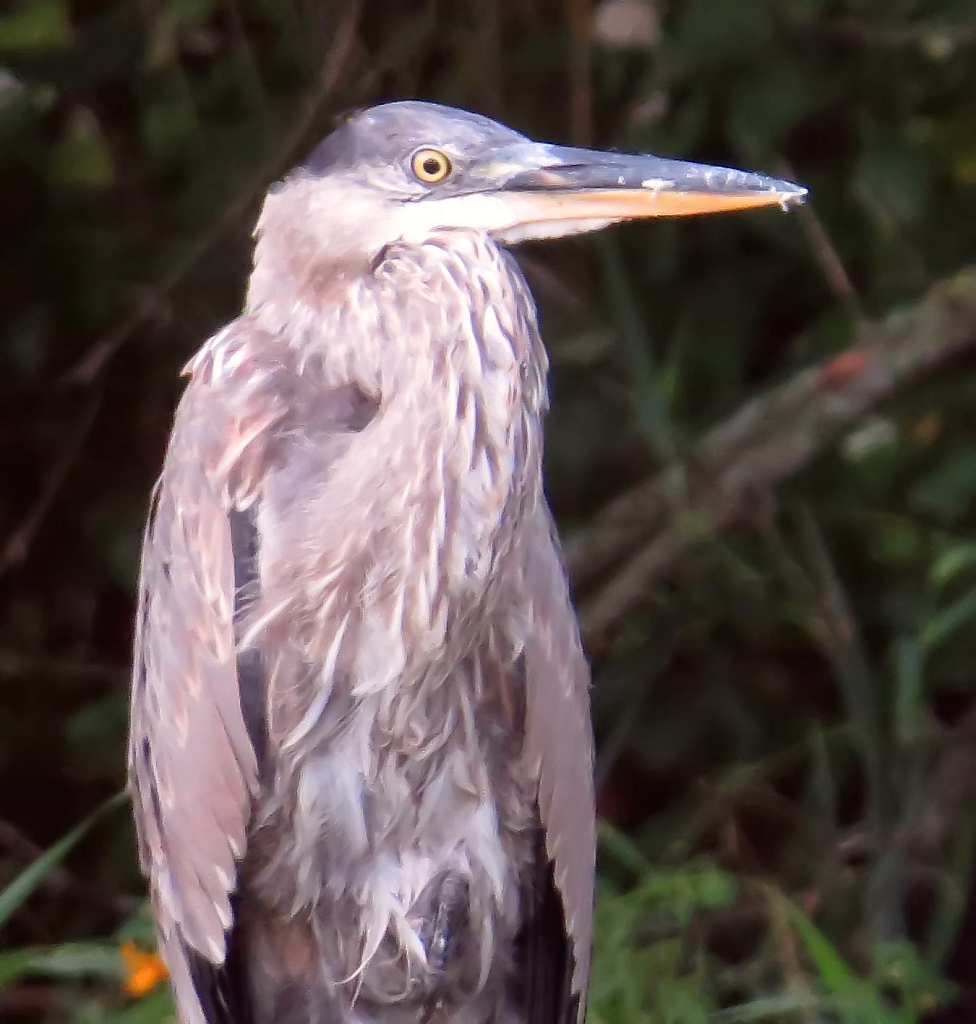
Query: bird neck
[(442, 333), (445, 476), (464, 369), (293, 266)]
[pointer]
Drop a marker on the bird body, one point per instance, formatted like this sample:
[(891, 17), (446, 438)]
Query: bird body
[(360, 749), (393, 653)]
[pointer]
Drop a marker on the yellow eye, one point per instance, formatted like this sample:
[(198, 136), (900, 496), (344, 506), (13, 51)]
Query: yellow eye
[(430, 165)]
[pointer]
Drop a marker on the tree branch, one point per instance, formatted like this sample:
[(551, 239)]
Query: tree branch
[(765, 441), (99, 354), (17, 546)]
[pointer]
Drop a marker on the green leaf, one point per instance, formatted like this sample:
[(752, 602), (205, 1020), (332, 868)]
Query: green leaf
[(767, 105), (155, 1008), (898, 966), (69, 960), (893, 181), (717, 32), (652, 412), (951, 562), (948, 491), (82, 157), (38, 25), (834, 972), (950, 619), (909, 660), (896, 541), (188, 13), (777, 1008), (622, 849)]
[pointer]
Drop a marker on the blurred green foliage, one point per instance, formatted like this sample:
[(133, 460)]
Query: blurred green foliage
[(787, 725)]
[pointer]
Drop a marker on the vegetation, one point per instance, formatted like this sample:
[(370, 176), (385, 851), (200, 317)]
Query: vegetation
[(762, 453)]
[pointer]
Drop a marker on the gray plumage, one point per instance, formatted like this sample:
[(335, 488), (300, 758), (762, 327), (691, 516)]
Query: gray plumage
[(360, 752)]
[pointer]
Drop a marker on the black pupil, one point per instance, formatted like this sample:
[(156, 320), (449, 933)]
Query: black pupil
[(432, 166)]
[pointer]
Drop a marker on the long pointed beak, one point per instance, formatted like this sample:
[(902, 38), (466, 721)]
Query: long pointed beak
[(568, 184)]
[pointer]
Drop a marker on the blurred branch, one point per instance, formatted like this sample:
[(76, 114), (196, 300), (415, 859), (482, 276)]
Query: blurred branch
[(765, 441), (950, 788), (579, 17), (939, 38), (247, 64), (17, 546), (13, 664), (827, 257), (94, 360)]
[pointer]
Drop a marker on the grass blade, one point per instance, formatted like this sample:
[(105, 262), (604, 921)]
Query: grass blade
[(20, 889)]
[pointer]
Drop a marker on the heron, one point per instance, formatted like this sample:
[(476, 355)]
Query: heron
[(360, 750)]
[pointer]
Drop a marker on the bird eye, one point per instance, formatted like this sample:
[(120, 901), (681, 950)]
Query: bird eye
[(430, 165)]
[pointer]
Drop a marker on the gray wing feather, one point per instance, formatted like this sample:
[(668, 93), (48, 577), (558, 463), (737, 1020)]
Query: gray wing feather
[(192, 767), (559, 740)]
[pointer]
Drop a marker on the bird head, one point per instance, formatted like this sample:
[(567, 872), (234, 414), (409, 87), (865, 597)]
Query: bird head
[(401, 171)]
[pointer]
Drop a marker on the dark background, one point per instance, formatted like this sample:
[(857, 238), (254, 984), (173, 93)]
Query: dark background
[(762, 455)]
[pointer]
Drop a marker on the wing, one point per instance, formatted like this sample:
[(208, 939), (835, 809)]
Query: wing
[(198, 713), (193, 769), (559, 740)]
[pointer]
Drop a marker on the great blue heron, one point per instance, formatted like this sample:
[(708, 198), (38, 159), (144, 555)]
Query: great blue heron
[(360, 751)]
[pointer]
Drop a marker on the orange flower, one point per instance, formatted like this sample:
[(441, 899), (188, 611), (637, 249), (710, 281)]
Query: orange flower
[(143, 971)]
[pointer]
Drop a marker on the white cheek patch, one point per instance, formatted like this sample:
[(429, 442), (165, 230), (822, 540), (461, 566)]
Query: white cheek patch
[(489, 213), (508, 218), (550, 229)]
